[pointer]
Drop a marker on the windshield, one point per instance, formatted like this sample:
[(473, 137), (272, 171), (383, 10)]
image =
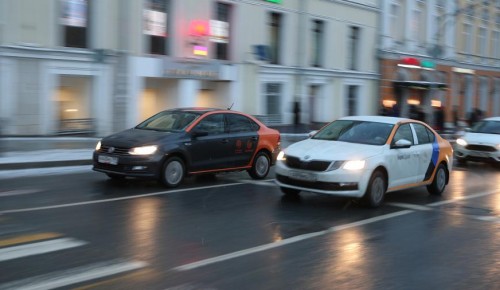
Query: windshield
[(168, 121), (363, 132), (488, 127)]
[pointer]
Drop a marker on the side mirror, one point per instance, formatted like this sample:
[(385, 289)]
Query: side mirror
[(312, 133), (198, 133), (402, 143), (468, 129)]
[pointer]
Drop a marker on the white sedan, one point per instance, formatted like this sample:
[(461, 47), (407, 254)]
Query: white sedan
[(480, 143), (365, 157)]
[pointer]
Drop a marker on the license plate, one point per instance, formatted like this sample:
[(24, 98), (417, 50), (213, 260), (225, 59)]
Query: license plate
[(305, 176), (107, 159)]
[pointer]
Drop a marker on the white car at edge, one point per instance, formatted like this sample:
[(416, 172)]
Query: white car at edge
[(365, 157), (480, 143)]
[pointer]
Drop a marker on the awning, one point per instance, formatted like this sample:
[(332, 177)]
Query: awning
[(420, 85)]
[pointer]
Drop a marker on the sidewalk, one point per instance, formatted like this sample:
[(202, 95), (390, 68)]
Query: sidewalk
[(43, 152)]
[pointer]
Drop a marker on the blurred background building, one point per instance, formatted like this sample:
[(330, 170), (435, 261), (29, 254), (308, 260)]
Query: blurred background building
[(440, 53), (98, 66)]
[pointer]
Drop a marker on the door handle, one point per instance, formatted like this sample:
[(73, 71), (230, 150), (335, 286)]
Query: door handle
[(224, 141), (254, 138)]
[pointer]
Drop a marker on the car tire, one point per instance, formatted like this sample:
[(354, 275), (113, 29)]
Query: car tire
[(290, 192), (375, 192), (439, 182), (173, 172), (260, 167), (115, 176)]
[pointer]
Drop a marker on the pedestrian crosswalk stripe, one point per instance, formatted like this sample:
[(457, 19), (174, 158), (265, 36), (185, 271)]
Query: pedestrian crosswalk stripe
[(27, 238), (75, 275), (31, 249)]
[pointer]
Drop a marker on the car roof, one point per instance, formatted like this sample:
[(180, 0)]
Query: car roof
[(380, 119), (492, 119), (194, 109)]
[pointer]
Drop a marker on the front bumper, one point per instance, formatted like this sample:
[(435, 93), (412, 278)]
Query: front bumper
[(479, 156), (129, 165), (339, 182)]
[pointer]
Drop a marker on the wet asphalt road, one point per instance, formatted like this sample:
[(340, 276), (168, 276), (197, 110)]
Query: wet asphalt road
[(230, 232)]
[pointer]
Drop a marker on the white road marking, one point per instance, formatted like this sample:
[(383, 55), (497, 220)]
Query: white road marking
[(116, 199), (493, 219), (31, 249), (284, 242), (267, 182), (462, 198), (409, 206), (18, 192), (75, 275)]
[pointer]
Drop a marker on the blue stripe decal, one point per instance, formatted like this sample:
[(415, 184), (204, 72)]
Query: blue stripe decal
[(435, 152)]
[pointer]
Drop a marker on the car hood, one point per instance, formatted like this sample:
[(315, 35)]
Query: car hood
[(477, 138), (138, 137), (332, 150)]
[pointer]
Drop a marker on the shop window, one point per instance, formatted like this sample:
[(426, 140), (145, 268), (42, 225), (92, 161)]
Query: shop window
[(317, 42), (219, 29), (275, 41), (75, 23), (155, 26), (353, 48)]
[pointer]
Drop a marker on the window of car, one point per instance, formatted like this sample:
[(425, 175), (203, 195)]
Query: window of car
[(168, 121), (424, 135), (212, 124), (239, 123), (403, 132), (488, 127), (354, 131)]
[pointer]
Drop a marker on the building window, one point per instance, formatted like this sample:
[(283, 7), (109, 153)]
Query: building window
[(482, 42), (219, 31), (317, 43), (155, 26), (467, 45), (275, 37), (352, 100), (273, 99), (395, 27), (74, 19), (419, 24), (496, 45), (353, 48)]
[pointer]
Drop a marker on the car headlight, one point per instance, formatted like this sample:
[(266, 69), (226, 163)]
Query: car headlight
[(461, 142), (144, 150), (281, 156), (98, 146), (354, 165)]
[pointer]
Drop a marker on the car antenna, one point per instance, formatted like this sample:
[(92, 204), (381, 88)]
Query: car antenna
[(230, 107)]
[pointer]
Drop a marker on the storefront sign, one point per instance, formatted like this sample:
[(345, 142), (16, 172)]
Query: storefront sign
[(463, 70), (219, 31), (155, 23), (193, 70)]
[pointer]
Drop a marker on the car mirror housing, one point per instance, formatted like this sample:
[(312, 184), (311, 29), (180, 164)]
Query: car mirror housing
[(402, 143)]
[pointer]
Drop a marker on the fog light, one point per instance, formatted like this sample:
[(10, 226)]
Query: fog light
[(139, 167)]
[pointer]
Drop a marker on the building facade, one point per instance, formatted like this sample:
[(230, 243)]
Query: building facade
[(440, 55), (72, 66)]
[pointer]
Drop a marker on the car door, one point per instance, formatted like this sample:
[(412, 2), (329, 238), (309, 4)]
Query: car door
[(427, 151), (243, 138), (403, 162), (209, 144)]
